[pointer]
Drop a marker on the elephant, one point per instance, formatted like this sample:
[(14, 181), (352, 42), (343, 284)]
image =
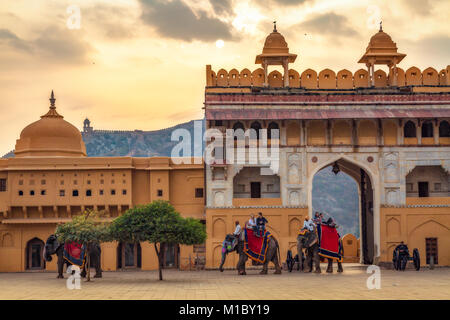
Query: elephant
[(273, 254), (53, 246), (310, 242)]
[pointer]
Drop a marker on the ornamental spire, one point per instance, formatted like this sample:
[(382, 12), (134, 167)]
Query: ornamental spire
[(52, 112), (275, 26)]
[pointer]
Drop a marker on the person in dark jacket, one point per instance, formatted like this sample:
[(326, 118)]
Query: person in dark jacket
[(261, 224)]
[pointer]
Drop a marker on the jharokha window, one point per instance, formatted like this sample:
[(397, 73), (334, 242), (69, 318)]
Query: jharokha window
[(410, 130), (2, 185)]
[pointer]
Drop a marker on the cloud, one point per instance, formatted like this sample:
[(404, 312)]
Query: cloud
[(176, 20), (9, 38), (62, 45), (421, 7), (53, 44), (114, 22), (222, 6), (328, 24)]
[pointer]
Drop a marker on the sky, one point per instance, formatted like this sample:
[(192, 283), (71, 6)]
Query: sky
[(140, 64)]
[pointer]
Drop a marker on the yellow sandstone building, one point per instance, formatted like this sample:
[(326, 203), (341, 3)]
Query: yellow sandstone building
[(390, 131)]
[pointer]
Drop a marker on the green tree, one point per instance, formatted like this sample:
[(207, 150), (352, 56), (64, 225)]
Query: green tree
[(157, 223), (87, 229)]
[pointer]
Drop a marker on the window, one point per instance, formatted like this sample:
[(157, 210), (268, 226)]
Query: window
[(102, 181), (199, 192), (444, 129), (237, 126), (160, 193), (124, 192), (240, 188), (20, 193), (432, 249), (437, 187), (272, 126), (43, 182), (89, 182), (62, 182), (255, 126), (31, 192), (62, 193), (423, 189), (409, 187), (88, 193), (270, 188), (75, 182), (409, 130), (218, 123), (74, 193), (20, 182), (100, 192), (112, 181), (427, 129), (113, 192), (2, 185), (43, 192), (255, 189)]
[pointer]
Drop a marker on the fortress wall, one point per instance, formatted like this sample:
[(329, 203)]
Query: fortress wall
[(328, 79)]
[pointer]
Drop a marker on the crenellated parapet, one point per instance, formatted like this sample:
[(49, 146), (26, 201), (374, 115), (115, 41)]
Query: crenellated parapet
[(329, 79)]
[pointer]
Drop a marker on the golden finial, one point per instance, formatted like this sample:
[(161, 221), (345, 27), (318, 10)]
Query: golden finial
[(275, 26), (52, 101)]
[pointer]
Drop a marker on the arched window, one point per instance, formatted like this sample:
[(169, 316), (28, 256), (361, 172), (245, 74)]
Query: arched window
[(427, 129), (409, 130), (272, 126), (34, 254), (444, 129), (256, 126), (238, 125)]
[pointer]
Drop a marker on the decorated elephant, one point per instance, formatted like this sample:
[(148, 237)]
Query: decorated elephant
[(308, 240), (53, 246), (272, 253)]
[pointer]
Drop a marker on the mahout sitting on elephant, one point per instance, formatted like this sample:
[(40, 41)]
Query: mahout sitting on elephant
[(272, 253), (53, 246)]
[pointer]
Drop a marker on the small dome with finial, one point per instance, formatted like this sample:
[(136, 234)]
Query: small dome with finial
[(50, 136), (275, 46)]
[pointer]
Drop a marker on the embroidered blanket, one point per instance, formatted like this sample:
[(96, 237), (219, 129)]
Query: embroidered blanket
[(75, 253), (330, 245), (256, 247)]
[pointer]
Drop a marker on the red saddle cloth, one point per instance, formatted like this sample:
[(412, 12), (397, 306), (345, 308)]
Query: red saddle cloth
[(256, 247), (329, 243), (75, 253)]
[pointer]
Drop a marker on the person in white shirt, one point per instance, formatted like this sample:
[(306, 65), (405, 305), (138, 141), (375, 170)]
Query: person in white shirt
[(251, 223), (308, 224), (237, 231)]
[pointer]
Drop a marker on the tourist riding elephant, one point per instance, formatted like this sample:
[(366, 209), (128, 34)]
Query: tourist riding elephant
[(53, 246), (309, 241), (272, 254)]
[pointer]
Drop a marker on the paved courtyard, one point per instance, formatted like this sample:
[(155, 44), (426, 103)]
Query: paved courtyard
[(424, 284)]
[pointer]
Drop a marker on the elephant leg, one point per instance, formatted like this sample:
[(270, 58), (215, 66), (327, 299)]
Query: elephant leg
[(98, 267), (308, 261), (276, 263), (224, 254), (265, 267), (340, 269), (317, 260), (330, 266), (241, 264), (60, 268)]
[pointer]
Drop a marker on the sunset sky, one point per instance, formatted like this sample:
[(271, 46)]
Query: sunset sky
[(140, 64)]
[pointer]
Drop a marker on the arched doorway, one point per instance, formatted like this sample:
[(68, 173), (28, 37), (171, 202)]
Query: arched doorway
[(351, 190), (129, 255), (34, 254), (171, 258)]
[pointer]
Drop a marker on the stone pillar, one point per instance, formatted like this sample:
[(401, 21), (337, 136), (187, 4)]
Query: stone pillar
[(266, 78), (394, 73), (286, 73), (419, 132), (436, 131), (328, 133), (354, 132)]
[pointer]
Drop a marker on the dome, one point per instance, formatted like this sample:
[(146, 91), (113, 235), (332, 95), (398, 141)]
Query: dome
[(50, 136), (275, 47), (382, 40), (275, 44)]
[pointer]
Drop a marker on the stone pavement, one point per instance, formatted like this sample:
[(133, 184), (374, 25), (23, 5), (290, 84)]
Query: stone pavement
[(410, 284)]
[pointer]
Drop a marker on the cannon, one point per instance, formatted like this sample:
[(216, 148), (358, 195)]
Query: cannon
[(401, 257)]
